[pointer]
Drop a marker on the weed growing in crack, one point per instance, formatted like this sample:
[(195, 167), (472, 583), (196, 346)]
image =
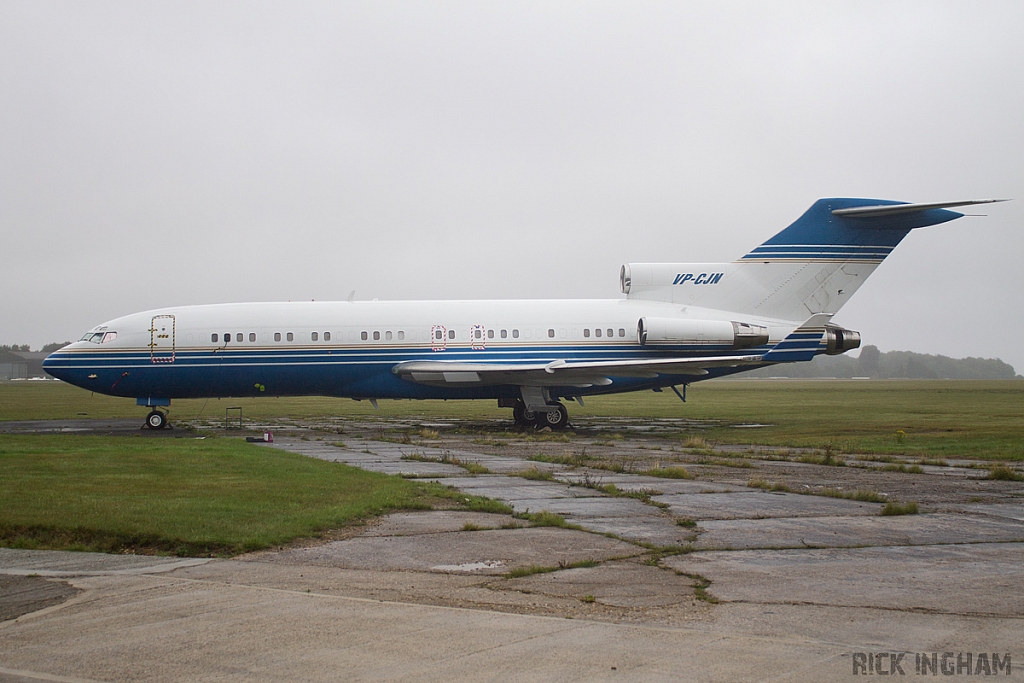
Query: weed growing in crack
[(1004, 473), (672, 472), (894, 508), (535, 474)]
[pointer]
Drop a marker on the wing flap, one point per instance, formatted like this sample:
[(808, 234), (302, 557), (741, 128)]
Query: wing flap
[(560, 372)]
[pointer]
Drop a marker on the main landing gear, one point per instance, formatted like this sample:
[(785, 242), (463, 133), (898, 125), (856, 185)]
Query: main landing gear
[(555, 417), (156, 420)]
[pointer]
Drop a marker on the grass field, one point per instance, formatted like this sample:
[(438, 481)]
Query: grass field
[(183, 496), (202, 496), (934, 418)]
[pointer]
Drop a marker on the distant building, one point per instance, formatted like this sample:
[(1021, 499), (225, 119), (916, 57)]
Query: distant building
[(21, 364), (13, 366)]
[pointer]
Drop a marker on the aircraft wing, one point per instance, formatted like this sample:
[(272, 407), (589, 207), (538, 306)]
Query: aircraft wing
[(560, 372)]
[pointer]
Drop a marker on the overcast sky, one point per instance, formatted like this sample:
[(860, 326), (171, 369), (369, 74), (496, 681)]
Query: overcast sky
[(155, 154)]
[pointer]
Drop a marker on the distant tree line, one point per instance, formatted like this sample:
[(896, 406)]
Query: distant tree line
[(892, 365), (871, 363), (24, 348)]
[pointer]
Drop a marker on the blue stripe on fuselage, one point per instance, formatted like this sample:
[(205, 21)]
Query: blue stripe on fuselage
[(356, 372)]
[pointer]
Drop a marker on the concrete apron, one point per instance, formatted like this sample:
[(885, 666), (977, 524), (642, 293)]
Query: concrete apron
[(803, 601)]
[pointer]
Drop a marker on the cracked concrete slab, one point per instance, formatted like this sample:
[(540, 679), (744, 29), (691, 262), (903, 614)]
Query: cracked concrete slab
[(750, 504), (67, 563), (26, 594), (975, 579), (626, 584), (436, 522), (639, 482), (1008, 510), (496, 551), (796, 532)]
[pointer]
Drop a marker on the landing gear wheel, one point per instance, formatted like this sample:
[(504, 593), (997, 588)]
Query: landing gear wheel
[(156, 420), (556, 417), (522, 416)]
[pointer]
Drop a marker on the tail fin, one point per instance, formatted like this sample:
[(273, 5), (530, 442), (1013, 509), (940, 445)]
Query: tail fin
[(812, 267)]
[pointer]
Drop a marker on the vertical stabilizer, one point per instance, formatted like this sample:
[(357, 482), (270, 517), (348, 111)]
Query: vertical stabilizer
[(812, 267)]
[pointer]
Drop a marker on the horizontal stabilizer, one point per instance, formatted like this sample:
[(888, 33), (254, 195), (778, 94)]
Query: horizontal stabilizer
[(894, 209)]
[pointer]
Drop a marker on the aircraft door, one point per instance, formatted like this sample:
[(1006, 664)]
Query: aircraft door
[(161, 339)]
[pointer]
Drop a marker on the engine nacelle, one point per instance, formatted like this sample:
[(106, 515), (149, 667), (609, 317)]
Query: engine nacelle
[(840, 340), (710, 332)]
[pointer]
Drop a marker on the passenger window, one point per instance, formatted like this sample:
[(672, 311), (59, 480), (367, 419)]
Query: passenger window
[(376, 335), (387, 335), (327, 336), (611, 332), (451, 334), (438, 334), (586, 332), (597, 332), (515, 334), (277, 336), (478, 334), (551, 333), (490, 334), (401, 335), (213, 337), (314, 336), (252, 336), (504, 334), (238, 337), (622, 332), (290, 337), (227, 337), (362, 335)]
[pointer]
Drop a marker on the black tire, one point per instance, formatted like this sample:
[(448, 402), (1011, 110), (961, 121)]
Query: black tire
[(556, 418), (156, 420), (524, 417)]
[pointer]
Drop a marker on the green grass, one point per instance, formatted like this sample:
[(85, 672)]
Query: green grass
[(938, 418), (187, 496), (766, 485), (470, 466), (893, 508), (700, 589), (861, 495), (535, 474), (546, 518), (1004, 473), (674, 472)]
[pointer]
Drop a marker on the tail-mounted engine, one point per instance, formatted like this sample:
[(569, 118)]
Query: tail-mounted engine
[(735, 335), (839, 340)]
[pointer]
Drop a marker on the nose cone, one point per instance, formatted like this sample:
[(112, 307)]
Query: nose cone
[(55, 364)]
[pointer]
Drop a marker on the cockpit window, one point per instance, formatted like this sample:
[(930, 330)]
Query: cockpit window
[(94, 337), (108, 337)]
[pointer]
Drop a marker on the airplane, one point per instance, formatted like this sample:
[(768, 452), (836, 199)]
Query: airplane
[(677, 323)]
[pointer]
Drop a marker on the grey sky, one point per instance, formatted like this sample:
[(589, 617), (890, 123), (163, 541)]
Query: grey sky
[(156, 154)]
